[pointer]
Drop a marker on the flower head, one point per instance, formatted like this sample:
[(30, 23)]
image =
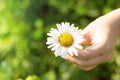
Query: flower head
[(65, 40)]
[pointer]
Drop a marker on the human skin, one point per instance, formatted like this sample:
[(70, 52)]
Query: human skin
[(101, 34)]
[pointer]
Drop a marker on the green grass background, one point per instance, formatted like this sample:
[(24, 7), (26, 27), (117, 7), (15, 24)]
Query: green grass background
[(23, 27)]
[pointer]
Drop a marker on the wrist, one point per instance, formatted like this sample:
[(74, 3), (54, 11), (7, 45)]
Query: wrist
[(113, 20)]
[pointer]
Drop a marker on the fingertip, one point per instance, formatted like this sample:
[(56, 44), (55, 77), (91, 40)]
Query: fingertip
[(88, 68), (70, 59), (67, 58)]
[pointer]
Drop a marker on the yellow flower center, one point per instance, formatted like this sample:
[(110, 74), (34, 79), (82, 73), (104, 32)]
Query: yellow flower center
[(66, 40)]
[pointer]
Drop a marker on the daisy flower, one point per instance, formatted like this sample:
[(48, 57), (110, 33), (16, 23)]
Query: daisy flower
[(65, 40)]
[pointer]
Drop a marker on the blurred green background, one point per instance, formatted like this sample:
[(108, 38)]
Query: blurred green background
[(23, 27)]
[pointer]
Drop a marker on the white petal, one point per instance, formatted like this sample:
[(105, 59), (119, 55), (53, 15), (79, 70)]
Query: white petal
[(49, 39), (72, 25), (78, 40), (74, 51), (70, 52), (63, 52), (59, 27), (52, 41), (50, 46), (54, 33), (78, 46), (57, 52), (67, 25), (55, 47)]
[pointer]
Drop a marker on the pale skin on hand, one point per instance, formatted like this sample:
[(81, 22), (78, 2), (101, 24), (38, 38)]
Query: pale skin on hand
[(102, 34)]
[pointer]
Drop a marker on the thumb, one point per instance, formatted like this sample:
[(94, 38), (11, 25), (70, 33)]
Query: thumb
[(86, 35)]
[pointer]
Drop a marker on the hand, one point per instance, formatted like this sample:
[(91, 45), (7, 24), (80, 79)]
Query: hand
[(101, 34)]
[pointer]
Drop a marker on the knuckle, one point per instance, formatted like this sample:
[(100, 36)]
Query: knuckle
[(86, 68), (84, 56), (110, 56), (107, 45)]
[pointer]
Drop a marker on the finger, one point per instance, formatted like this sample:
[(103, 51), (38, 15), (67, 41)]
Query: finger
[(71, 59), (87, 68), (86, 35), (94, 61), (74, 60), (91, 52)]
